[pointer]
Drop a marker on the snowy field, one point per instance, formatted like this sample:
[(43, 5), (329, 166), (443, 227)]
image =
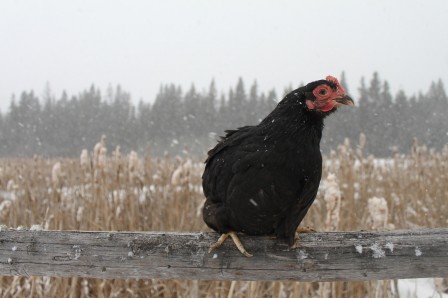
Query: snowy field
[(422, 287)]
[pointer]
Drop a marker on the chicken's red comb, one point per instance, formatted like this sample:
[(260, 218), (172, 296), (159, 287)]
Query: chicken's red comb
[(336, 82)]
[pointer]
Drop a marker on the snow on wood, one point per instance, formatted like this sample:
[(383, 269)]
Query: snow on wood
[(320, 256)]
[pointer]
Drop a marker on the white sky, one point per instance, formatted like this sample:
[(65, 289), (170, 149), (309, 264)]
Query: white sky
[(141, 44)]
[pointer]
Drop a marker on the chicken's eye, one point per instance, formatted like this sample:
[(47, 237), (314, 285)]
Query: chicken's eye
[(322, 92)]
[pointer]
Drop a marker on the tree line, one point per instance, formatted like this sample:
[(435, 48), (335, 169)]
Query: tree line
[(191, 121)]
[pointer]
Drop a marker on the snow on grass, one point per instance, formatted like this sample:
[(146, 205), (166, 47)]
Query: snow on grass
[(36, 228)]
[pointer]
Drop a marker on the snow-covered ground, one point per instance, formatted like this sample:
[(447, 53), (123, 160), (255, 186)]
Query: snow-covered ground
[(419, 288)]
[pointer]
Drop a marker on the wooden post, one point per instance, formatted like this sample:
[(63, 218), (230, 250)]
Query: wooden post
[(321, 256)]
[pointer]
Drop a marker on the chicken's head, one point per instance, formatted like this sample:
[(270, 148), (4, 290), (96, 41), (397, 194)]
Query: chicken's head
[(326, 95)]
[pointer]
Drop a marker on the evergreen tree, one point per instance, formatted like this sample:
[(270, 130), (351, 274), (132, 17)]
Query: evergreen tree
[(387, 121), (167, 115), (374, 91), (209, 105), (343, 82), (222, 120), (27, 117), (261, 107), (403, 121), (49, 125), (237, 104), (435, 108), (253, 105), (119, 131), (144, 123), (271, 100), (192, 113)]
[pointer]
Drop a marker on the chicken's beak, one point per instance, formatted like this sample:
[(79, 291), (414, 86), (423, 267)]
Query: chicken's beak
[(345, 100)]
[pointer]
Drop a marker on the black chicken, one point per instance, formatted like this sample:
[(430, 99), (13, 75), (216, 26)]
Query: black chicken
[(261, 180)]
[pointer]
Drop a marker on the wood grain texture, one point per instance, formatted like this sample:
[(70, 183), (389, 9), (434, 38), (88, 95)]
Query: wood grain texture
[(321, 256)]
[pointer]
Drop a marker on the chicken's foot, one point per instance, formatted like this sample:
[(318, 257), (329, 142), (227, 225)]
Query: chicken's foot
[(235, 239)]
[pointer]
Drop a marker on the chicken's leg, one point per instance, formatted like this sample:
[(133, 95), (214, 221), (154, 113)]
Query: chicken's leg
[(235, 239)]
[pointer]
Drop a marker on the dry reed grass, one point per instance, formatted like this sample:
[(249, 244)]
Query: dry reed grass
[(99, 192)]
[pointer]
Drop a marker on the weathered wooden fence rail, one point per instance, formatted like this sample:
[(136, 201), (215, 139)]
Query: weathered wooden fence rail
[(321, 256)]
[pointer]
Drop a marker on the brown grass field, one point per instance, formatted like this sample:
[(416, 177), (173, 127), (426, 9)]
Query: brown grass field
[(128, 193)]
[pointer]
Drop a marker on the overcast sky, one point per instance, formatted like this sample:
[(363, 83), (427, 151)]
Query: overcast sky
[(141, 44)]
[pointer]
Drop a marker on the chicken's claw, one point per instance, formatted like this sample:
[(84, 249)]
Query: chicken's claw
[(235, 239), (300, 231), (305, 230)]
